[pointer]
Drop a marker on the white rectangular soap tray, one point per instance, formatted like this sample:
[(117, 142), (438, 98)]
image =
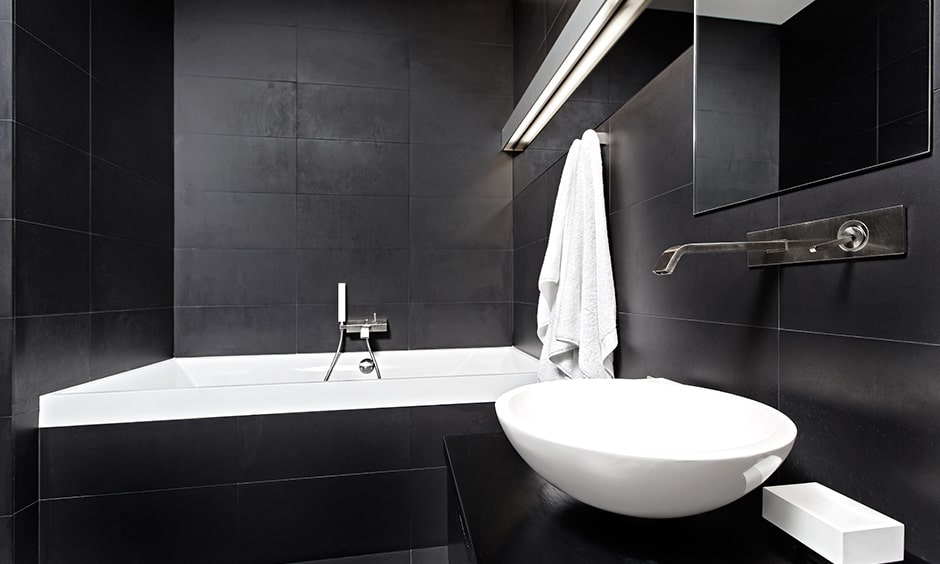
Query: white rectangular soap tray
[(837, 527)]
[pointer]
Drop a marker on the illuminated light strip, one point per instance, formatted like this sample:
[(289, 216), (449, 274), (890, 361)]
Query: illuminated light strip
[(607, 26)]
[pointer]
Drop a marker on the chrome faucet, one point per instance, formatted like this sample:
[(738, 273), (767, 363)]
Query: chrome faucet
[(363, 328), (869, 234), (670, 258)]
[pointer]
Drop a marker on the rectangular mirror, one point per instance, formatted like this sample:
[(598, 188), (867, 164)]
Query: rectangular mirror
[(791, 93)]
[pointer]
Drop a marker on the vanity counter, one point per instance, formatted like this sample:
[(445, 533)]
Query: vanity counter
[(502, 512)]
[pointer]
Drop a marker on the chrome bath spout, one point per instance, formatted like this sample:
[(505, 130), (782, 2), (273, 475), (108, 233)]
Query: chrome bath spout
[(670, 258)]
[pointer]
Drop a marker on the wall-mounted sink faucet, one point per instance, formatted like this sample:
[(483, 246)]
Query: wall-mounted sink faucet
[(876, 233)]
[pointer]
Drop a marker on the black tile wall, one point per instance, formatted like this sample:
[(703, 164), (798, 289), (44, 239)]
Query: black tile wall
[(320, 142), (92, 225), (845, 349)]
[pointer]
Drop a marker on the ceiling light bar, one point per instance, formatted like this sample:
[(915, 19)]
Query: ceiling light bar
[(593, 28)]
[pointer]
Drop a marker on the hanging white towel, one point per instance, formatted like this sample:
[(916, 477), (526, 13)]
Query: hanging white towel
[(577, 319)]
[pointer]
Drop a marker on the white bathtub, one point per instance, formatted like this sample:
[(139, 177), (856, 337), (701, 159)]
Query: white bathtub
[(191, 388)]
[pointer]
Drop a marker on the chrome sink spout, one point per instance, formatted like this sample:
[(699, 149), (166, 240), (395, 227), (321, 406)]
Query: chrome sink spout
[(670, 258)]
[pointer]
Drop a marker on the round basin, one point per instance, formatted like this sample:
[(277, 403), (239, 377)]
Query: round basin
[(646, 448)]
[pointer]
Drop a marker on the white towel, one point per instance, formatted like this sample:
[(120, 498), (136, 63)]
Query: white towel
[(577, 311)]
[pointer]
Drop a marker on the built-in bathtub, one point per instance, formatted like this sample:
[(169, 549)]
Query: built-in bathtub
[(260, 456), (190, 388)]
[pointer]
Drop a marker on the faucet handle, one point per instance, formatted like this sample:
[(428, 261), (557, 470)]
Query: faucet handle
[(851, 237)]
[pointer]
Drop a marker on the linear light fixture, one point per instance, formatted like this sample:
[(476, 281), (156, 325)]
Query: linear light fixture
[(593, 28)]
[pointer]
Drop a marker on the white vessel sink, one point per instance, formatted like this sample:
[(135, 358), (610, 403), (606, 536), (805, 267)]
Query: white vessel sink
[(646, 448)]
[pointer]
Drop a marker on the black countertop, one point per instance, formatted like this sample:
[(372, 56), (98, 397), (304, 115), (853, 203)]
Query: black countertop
[(510, 515)]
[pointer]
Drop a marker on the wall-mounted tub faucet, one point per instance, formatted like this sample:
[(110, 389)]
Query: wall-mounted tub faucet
[(363, 328), (875, 233)]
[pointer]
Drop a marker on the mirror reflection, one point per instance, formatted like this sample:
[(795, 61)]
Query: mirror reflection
[(793, 92)]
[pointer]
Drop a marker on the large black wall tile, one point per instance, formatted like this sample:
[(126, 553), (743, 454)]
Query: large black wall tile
[(324, 443), (6, 538), (461, 223), (132, 53), (26, 535), (460, 171), (6, 466), (140, 456), (867, 415), (51, 273), (352, 168), (250, 11), (234, 221), (317, 329), (735, 294), (429, 507), (353, 113), (356, 514), (352, 222), (229, 163), (6, 70), (51, 353), (206, 331), (124, 340), (455, 67), (6, 367), (435, 117), (189, 525), (481, 325), (235, 50), (127, 134), (6, 168), (235, 277), (377, 16), (731, 358), (6, 268), (129, 275), (25, 459), (430, 424), (461, 276), (51, 93), (352, 59), (527, 265), (530, 219), (235, 107), (646, 158), (62, 25), (371, 275), (127, 206), (484, 21), (531, 164)]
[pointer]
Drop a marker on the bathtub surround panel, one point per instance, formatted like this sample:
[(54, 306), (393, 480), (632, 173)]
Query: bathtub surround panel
[(187, 525), (845, 350), (335, 144), (373, 482)]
